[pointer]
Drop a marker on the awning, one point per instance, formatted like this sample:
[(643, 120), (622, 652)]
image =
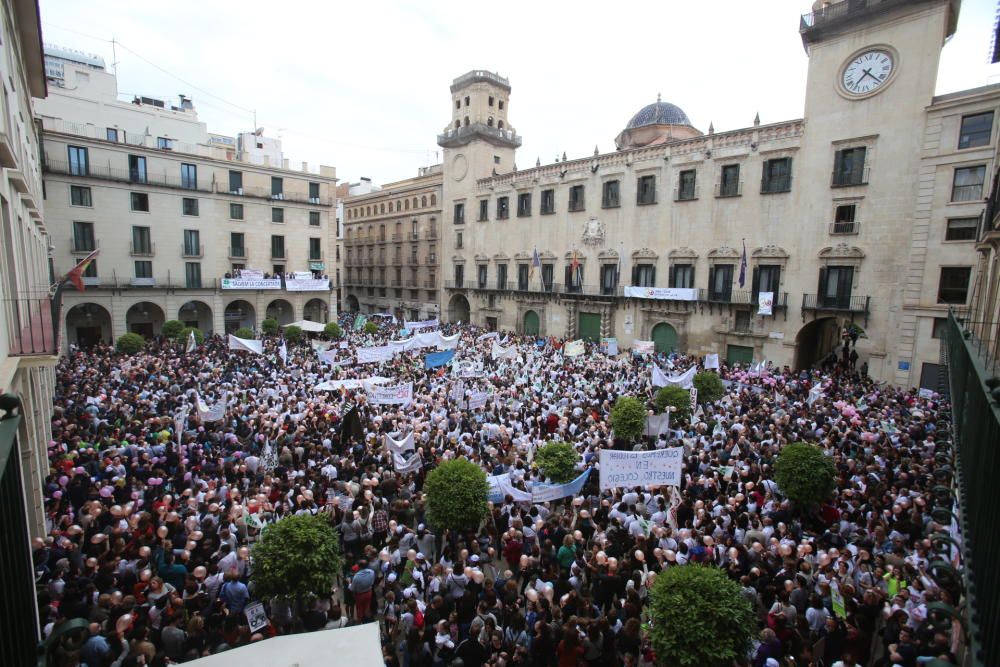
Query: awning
[(306, 325), (357, 646)]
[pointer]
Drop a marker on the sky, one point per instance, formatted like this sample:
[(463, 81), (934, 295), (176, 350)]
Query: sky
[(364, 86)]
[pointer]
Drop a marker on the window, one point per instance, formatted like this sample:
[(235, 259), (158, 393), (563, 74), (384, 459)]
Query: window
[(720, 283), (835, 285), (137, 169), (481, 271), (968, 183), (729, 186), (459, 213), (192, 274), (315, 249), (192, 243), (314, 192), (548, 202), (277, 247), (574, 277), (484, 210), (687, 188), (79, 195), (277, 187), (143, 269), (939, 328), (501, 276), (609, 279), (83, 237), (496, 159), (961, 229), (141, 245), (314, 218), (112, 134), (523, 272), (458, 239), (766, 278), (189, 176), (742, 322), (140, 201), (682, 275), (278, 215), (976, 130), (776, 176), (954, 284), (236, 247), (277, 269), (491, 100), (91, 270), (524, 205), (500, 105), (849, 167), (644, 275), (548, 274), (576, 198), (236, 211), (503, 208), (189, 206), (458, 104), (843, 219), (610, 191), (647, 190), (236, 182), (459, 275), (466, 100), (163, 143), (79, 164)]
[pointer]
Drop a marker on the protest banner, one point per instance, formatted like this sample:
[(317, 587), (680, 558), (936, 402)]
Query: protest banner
[(246, 344), (643, 347), (765, 303), (371, 355), (477, 399), (400, 394), (667, 293), (500, 487), (422, 324), (685, 380), (437, 359), (541, 493), (712, 361), (661, 467), (574, 348)]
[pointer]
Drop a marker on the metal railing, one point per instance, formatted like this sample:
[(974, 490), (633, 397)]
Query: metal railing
[(850, 304), (192, 251), (267, 193), (82, 246), (124, 175), (142, 249), (845, 227), (30, 328), (834, 12)]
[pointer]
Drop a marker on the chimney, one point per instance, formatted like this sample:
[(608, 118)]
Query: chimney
[(305, 167)]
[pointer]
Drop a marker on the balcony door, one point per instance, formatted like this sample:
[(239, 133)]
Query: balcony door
[(835, 286)]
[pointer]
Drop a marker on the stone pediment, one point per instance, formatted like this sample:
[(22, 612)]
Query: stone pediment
[(481, 257), (770, 251), (607, 254), (682, 253), (841, 251), (500, 257), (522, 256), (723, 252), (580, 257), (644, 253), (457, 259), (546, 254)]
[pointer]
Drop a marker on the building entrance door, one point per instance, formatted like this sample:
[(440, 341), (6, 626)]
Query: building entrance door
[(589, 327), (739, 354), (665, 338)]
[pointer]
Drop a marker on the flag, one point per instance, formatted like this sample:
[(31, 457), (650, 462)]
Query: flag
[(618, 270), (351, 427), (536, 263), (75, 274), (192, 343), (743, 266), (283, 352), (574, 270)]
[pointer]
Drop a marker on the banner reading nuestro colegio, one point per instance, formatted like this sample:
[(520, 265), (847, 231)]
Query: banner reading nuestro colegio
[(661, 467)]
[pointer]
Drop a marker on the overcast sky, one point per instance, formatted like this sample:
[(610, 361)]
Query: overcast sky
[(364, 86)]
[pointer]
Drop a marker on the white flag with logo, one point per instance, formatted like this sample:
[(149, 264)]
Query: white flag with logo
[(283, 352), (712, 361), (765, 303), (192, 343)]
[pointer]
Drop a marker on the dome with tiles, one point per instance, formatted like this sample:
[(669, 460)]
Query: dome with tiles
[(659, 113)]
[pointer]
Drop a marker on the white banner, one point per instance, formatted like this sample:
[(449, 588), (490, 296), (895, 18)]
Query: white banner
[(211, 414), (468, 368), (404, 464), (685, 380), (330, 357), (401, 394), (251, 274), (694, 400), (404, 345), (499, 352), (815, 393), (399, 446), (251, 283), (765, 303), (335, 385), (246, 344), (320, 345), (574, 348), (543, 493), (371, 355), (661, 467), (488, 336), (448, 342), (643, 347), (669, 293), (477, 399), (500, 488), (422, 324), (308, 285), (712, 361)]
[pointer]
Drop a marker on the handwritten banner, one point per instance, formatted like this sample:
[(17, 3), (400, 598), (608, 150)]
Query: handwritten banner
[(661, 467)]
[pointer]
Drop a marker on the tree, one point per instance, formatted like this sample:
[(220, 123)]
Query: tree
[(293, 333), (130, 343), (333, 330), (699, 618), (172, 329), (456, 495), (297, 557), (557, 460), (243, 332), (199, 337), (709, 386), (628, 417), (805, 475), (269, 326), (676, 397), (370, 328)]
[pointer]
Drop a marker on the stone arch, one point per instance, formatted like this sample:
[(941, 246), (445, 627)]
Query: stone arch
[(352, 304), (280, 310), (145, 318), (665, 337), (459, 309), (815, 340), (239, 314), (88, 324), (531, 323), (196, 314), (316, 310)]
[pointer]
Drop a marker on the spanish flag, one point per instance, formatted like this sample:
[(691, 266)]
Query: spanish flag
[(75, 274)]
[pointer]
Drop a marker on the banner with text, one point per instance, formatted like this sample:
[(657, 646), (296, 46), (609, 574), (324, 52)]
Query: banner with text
[(422, 324), (643, 347), (251, 283), (401, 394), (541, 493), (661, 467), (308, 285), (765, 303), (246, 344), (668, 293), (574, 348), (371, 355)]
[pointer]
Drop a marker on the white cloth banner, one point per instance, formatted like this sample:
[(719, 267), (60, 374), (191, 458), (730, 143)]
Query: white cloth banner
[(321, 345), (246, 344), (765, 303), (404, 464), (448, 342), (815, 393), (404, 345), (488, 336), (330, 357), (477, 399), (712, 361), (422, 324), (308, 285), (251, 283), (283, 352), (657, 425), (685, 380), (499, 352), (399, 446), (401, 394), (669, 293), (574, 348), (371, 355), (501, 487), (252, 274), (468, 368), (661, 467), (211, 414), (335, 385), (643, 347), (192, 343)]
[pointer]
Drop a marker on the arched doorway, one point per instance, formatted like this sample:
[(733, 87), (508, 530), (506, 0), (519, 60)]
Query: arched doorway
[(815, 341), (238, 314), (352, 304), (316, 311), (196, 314), (145, 318), (280, 310), (531, 323), (88, 324), (458, 309), (665, 337)]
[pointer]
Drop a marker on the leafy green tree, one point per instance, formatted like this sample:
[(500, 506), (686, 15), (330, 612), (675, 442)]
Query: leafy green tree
[(557, 460), (296, 558), (269, 326), (456, 495), (130, 343), (699, 618), (804, 474), (244, 332), (676, 397), (172, 329), (333, 330), (293, 333), (370, 328), (709, 386), (628, 417), (199, 337)]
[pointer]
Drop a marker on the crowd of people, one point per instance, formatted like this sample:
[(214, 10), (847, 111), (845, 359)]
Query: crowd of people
[(152, 511)]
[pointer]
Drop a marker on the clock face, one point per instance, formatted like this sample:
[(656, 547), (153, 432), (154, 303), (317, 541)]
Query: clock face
[(867, 72)]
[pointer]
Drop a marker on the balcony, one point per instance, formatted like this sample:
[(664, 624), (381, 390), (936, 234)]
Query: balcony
[(430, 284), (686, 193), (144, 281), (237, 253), (460, 136), (30, 328), (414, 236), (837, 304), (412, 283), (846, 179), (141, 249), (845, 227), (83, 246), (836, 17), (397, 236), (729, 189), (776, 185), (278, 254), (266, 193), (430, 260), (193, 251), (123, 175), (431, 233)]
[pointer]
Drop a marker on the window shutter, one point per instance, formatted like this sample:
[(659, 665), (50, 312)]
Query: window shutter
[(672, 276), (763, 176), (711, 281), (569, 276), (652, 276), (858, 166), (821, 289), (755, 282), (635, 275), (775, 282), (838, 167), (692, 278)]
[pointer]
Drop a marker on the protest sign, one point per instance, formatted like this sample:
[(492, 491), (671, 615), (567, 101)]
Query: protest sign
[(653, 468)]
